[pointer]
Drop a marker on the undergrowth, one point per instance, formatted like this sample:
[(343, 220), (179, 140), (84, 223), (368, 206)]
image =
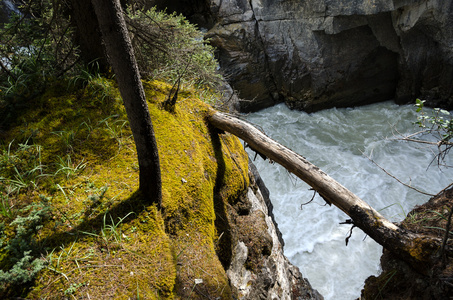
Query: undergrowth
[(72, 221), (21, 260)]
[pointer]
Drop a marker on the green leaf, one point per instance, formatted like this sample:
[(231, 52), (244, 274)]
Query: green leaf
[(419, 102)]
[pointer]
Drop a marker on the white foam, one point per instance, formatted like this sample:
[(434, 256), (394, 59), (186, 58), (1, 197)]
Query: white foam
[(333, 140)]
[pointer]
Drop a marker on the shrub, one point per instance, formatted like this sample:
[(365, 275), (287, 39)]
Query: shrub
[(437, 124), (35, 48), (167, 46), (21, 262)]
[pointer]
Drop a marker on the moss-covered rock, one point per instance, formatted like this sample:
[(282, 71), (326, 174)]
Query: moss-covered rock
[(102, 240), (433, 280)]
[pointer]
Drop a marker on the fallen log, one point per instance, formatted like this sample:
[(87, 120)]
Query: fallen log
[(416, 249)]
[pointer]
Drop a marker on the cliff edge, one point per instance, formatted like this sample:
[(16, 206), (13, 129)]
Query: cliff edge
[(73, 223)]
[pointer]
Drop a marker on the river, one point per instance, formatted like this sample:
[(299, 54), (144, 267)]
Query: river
[(334, 140)]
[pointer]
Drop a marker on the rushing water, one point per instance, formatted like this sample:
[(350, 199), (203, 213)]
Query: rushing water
[(334, 140), (11, 7)]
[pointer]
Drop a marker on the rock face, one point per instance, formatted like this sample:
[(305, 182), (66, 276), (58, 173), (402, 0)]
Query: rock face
[(257, 268), (316, 54)]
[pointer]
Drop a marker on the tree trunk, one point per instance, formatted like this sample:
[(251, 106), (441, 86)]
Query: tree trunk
[(414, 248), (121, 57), (87, 34)]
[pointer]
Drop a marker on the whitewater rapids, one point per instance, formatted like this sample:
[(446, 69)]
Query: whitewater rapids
[(334, 140)]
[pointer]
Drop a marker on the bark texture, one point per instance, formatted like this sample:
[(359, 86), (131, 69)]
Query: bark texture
[(87, 34), (121, 57), (413, 248)]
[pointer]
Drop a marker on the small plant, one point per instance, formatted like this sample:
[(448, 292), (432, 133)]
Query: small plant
[(11, 186), (20, 168), (440, 121), (67, 138), (73, 287), (55, 262), (436, 130), (115, 128), (110, 231), (87, 126), (388, 278), (67, 167), (23, 271), (94, 199), (5, 207), (87, 74), (22, 250), (102, 90)]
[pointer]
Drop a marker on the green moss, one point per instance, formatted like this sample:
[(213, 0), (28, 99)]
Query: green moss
[(196, 171), (156, 254)]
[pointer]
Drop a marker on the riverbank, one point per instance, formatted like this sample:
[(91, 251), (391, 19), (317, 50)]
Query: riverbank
[(432, 281)]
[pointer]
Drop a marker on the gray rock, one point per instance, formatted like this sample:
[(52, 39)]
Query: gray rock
[(258, 267), (316, 54)]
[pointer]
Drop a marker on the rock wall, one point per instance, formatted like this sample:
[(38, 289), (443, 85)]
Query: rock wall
[(258, 269), (316, 54)]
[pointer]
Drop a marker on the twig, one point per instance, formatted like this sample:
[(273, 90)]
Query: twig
[(438, 144), (349, 221), (409, 138), (385, 171), (448, 186), (312, 198), (441, 141), (170, 103)]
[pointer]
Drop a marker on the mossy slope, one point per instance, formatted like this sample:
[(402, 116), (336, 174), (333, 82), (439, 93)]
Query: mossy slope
[(100, 239)]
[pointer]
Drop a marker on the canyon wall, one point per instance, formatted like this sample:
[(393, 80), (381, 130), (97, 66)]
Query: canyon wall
[(258, 269), (316, 54)]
